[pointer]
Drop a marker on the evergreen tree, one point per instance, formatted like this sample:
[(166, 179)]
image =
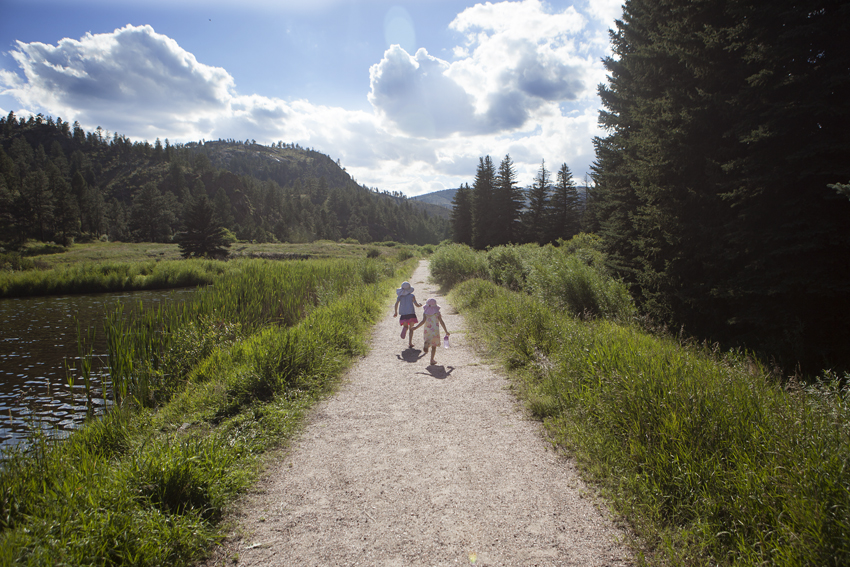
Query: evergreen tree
[(203, 234), (38, 204), (150, 218), (461, 216), (563, 216), (534, 218), (483, 228), (508, 202)]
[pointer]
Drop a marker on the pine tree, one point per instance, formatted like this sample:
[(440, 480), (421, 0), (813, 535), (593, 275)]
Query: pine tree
[(508, 201), (461, 216), (563, 216), (203, 234), (483, 229), (534, 218)]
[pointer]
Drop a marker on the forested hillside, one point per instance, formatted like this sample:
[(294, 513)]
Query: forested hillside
[(728, 127), (60, 183)]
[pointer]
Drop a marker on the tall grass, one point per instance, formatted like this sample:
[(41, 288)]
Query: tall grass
[(208, 388), (110, 276), (710, 460)]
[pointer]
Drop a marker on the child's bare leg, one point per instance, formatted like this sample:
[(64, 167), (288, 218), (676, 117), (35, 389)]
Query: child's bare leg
[(433, 354), (410, 331)]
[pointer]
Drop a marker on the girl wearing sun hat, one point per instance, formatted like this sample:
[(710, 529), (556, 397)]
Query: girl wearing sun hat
[(432, 321), (405, 309)]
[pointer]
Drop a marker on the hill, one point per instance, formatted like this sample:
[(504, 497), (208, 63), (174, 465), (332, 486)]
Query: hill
[(60, 183)]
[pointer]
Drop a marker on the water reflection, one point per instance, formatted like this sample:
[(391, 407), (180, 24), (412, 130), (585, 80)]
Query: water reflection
[(37, 335)]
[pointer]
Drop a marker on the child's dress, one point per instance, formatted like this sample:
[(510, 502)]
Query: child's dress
[(432, 330)]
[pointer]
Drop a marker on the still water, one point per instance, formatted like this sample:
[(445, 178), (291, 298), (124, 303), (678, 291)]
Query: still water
[(37, 336)]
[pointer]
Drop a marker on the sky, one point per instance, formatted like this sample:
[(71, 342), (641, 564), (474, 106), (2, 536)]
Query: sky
[(407, 95)]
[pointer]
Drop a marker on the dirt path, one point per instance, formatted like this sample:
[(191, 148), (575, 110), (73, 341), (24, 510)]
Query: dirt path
[(410, 464)]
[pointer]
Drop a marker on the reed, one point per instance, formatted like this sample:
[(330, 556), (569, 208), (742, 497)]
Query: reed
[(710, 460)]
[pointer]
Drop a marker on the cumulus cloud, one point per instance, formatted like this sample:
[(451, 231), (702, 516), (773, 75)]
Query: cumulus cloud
[(133, 67), (516, 59)]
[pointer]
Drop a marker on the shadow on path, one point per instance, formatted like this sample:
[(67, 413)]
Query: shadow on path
[(438, 371), (411, 354)]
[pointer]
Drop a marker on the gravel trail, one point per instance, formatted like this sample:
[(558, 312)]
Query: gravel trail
[(410, 464)]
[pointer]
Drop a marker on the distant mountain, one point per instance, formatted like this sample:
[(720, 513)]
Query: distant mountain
[(442, 198)]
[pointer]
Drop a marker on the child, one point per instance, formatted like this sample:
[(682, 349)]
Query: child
[(432, 321), (407, 301)]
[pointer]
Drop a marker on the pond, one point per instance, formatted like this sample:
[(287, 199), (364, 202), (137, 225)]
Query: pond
[(37, 336)]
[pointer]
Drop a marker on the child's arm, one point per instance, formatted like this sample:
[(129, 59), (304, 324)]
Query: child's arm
[(395, 308), (419, 325), (440, 317), (416, 303)]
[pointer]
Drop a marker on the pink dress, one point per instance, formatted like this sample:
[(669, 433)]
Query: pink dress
[(431, 329)]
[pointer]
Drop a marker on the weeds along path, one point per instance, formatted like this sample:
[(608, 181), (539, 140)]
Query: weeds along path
[(410, 464)]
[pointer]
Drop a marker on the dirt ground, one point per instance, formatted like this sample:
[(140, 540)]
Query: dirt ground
[(411, 464)]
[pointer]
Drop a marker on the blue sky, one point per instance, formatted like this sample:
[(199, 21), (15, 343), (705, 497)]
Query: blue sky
[(407, 95)]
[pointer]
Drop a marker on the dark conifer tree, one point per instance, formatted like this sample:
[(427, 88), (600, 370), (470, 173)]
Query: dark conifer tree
[(508, 203), (461, 216), (203, 234), (563, 215), (534, 218), (483, 229)]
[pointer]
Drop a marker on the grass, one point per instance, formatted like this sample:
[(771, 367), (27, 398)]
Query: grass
[(209, 387), (100, 267), (708, 457)]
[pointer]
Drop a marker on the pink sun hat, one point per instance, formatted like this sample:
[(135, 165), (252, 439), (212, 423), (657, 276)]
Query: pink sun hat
[(431, 307)]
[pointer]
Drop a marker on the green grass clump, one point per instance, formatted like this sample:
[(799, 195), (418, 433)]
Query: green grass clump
[(211, 386), (110, 277), (711, 461), (453, 263)]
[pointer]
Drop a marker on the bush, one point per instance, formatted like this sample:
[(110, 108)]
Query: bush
[(373, 253), (404, 254), (13, 261), (506, 267), (566, 282), (455, 263)]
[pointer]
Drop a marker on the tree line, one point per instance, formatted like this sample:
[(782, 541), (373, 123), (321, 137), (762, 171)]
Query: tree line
[(718, 187), (62, 184), (496, 210)]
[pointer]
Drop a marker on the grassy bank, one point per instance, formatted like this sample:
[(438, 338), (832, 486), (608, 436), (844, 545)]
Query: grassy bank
[(707, 456), (201, 392), (101, 267)]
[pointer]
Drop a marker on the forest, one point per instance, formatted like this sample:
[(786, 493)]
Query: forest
[(720, 188), (59, 183)]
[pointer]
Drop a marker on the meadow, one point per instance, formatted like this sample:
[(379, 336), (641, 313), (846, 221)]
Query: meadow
[(201, 394), (101, 267), (707, 456)]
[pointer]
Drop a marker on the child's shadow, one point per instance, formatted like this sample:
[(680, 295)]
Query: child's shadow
[(411, 354), (438, 371)]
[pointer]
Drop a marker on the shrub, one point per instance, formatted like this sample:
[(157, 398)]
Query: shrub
[(567, 282), (373, 253), (404, 254), (455, 263), (506, 267)]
